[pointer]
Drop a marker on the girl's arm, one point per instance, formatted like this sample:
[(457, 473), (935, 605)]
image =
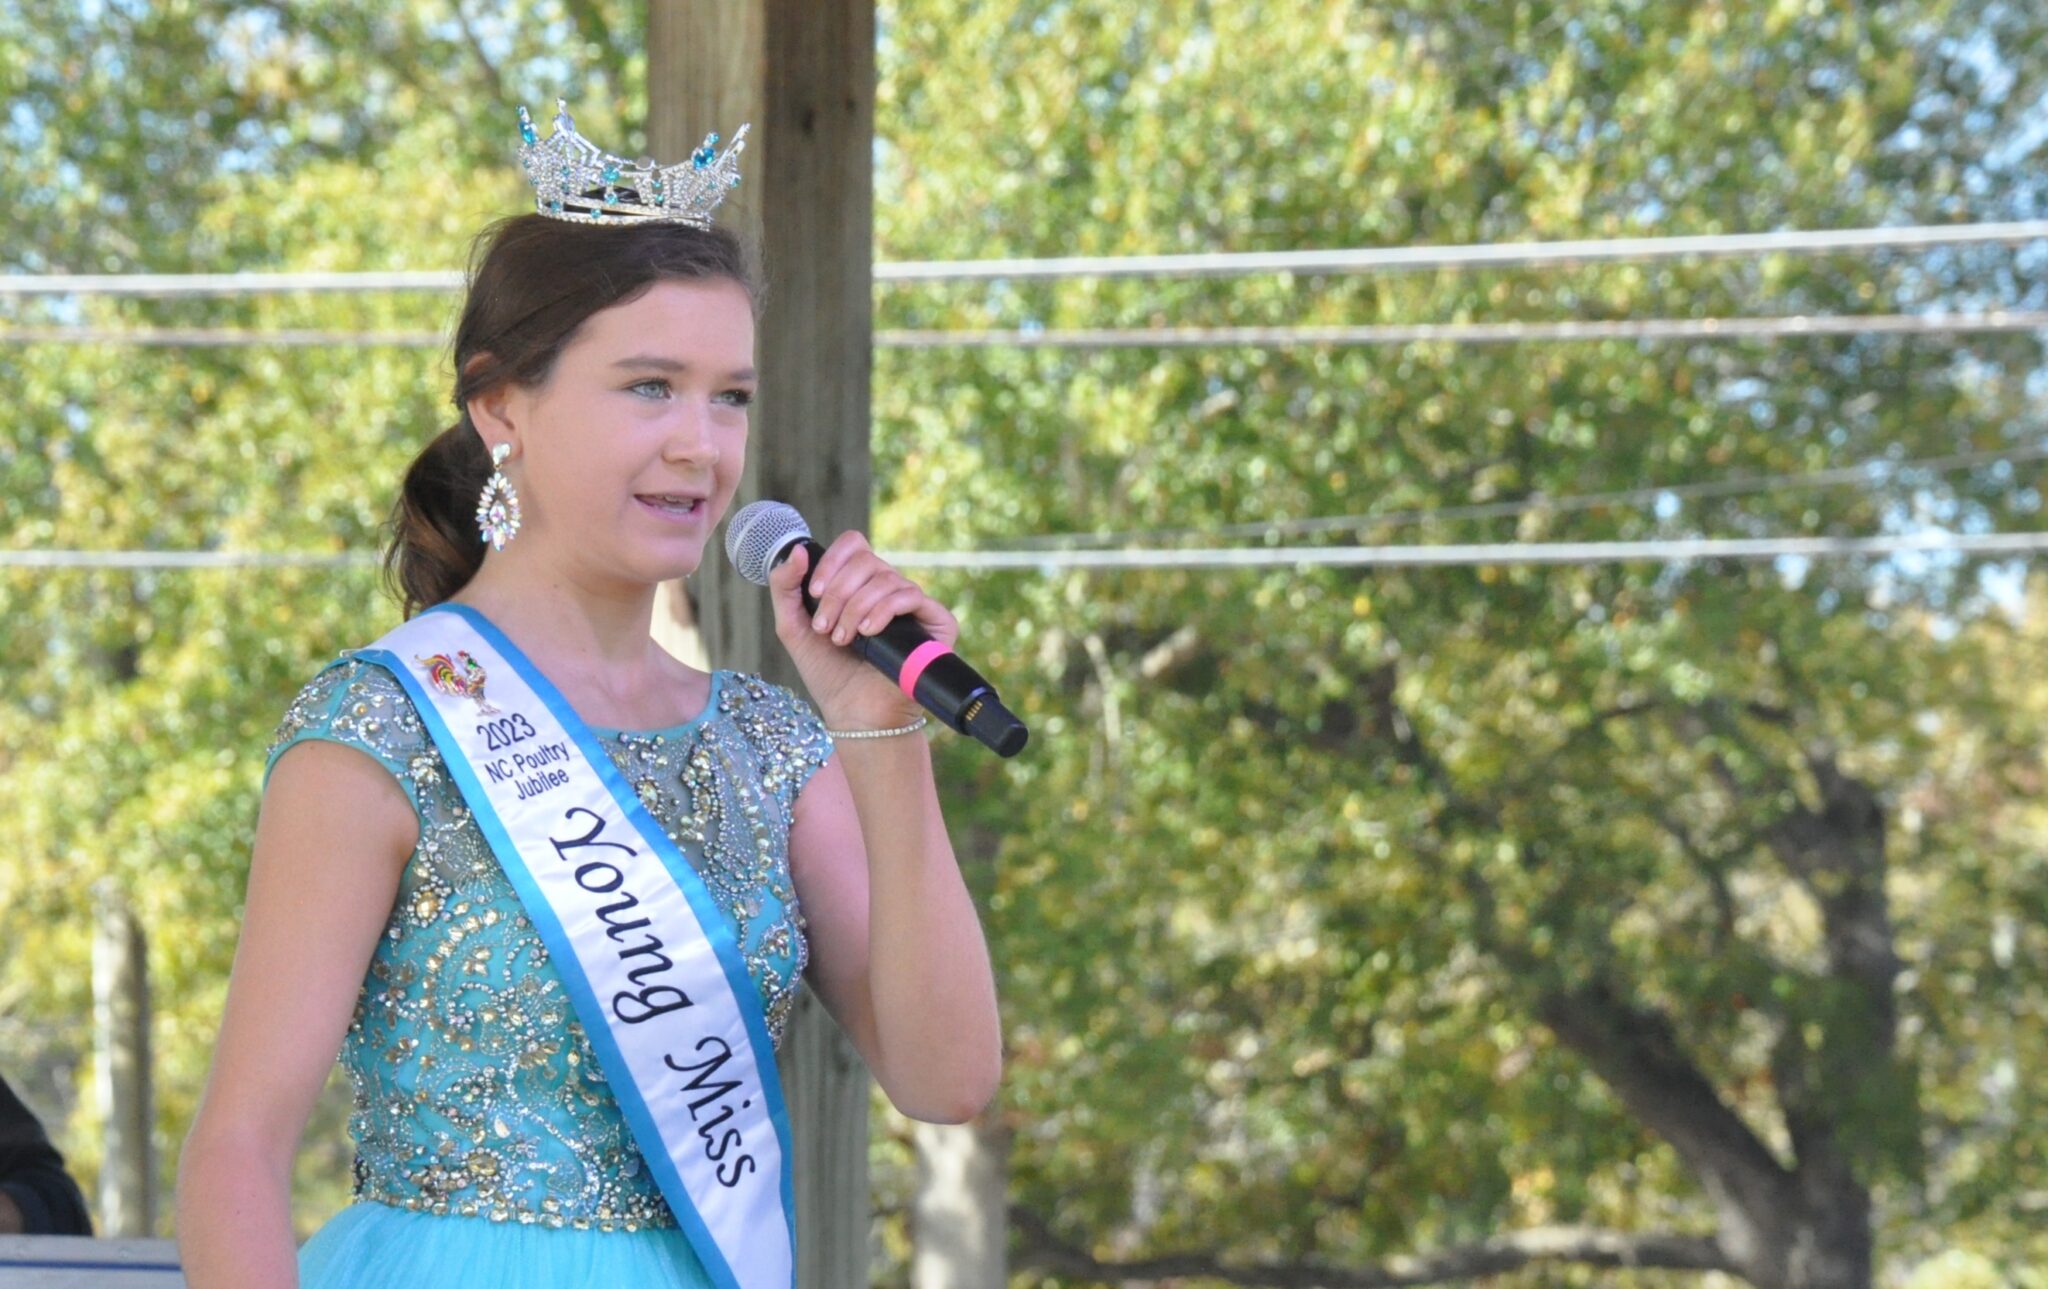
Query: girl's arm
[(897, 953), (333, 837)]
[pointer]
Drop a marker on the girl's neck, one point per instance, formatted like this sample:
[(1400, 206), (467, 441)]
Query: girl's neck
[(597, 640)]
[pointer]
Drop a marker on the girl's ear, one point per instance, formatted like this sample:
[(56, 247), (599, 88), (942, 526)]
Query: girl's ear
[(493, 412)]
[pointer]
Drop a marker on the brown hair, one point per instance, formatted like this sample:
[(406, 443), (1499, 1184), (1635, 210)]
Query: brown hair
[(533, 280)]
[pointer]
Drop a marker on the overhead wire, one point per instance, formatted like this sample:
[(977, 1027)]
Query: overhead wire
[(1103, 338), (1861, 472), (1424, 555), (1508, 254)]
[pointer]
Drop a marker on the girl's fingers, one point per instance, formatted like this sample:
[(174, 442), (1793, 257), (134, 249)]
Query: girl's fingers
[(905, 600), (867, 605), (831, 611), (857, 591), (847, 550)]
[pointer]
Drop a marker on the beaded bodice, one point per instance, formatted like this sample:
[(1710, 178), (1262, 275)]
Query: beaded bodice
[(476, 1089)]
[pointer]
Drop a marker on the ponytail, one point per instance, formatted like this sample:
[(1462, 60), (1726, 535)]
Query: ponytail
[(434, 551)]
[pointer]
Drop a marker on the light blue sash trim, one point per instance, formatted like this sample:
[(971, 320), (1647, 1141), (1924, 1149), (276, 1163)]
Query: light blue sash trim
[(596, 1020)]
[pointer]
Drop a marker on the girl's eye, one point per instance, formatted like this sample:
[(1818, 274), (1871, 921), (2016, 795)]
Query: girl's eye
[(736, 397)]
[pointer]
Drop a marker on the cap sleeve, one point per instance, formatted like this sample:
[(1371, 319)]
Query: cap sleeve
[(788, 737), (360, 705)]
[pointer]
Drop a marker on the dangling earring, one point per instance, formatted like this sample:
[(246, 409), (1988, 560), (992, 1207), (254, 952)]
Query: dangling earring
[(497, 511)]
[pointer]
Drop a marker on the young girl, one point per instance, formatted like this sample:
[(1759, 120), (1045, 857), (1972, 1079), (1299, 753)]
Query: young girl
[(549, 891)]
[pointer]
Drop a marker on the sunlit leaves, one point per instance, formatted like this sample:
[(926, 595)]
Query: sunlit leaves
[(1249, 875)]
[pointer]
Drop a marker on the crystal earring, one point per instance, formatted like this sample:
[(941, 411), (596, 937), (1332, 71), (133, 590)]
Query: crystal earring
[(497, 511)]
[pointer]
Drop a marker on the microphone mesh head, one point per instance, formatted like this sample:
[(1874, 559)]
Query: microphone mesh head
[(758, 532)]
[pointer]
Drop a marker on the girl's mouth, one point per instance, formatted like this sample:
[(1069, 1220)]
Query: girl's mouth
[(672, 506)]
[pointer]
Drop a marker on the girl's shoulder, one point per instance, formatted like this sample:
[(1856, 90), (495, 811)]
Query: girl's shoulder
[(360, 705), (784, 730), (760, 704)]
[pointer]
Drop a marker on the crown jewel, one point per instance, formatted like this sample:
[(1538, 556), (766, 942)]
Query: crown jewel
[(575, 179)]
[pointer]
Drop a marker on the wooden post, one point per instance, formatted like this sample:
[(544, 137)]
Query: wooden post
[(675, 623), (120, 986), (959, 1220), (802, 72)]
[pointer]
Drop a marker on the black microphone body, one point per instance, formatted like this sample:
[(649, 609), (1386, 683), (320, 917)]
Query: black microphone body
[(947, 687)]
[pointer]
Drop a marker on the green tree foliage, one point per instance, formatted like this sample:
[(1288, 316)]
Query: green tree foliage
[(1342, 915), (1347, 915)]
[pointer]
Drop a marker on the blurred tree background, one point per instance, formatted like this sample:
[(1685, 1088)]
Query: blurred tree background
[(1340, 915)]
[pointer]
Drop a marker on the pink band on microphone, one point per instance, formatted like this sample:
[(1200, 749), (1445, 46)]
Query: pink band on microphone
[(920, 658)]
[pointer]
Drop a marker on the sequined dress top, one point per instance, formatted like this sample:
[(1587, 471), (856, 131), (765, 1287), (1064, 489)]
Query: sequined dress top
[(476, 1091)]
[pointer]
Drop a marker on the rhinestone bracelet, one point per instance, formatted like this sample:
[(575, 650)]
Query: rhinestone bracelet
[(911, 728)]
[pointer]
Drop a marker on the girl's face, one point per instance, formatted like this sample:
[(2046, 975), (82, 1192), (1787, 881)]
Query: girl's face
[(629, 457)]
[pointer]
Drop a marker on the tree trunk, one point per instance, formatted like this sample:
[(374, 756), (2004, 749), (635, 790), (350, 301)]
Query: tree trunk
[(1806, 1223), (120, 986)]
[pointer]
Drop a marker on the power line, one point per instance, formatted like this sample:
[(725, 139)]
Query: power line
[(1216, 264), (1568, 502), (1643, 329), (1861, 472), (1446, 555), (1470, 333), (176, 285), (1481, 255), (167, 560), (1475, 555), (221, 337)]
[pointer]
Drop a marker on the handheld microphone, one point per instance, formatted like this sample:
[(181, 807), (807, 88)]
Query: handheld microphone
[(762, 534)]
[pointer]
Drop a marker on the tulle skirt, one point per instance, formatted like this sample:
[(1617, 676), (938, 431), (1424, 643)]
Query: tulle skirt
[(375, 1246)]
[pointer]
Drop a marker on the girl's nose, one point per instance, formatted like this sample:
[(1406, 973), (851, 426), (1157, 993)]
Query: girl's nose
[(690, 435)]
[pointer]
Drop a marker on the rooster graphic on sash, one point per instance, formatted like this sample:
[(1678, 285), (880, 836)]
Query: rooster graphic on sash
[(459, 677)]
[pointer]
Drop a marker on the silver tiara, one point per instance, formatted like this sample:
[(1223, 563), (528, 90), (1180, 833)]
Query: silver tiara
[(575, 179)]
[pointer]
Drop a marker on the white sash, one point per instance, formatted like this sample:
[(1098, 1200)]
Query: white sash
[(648, 956)]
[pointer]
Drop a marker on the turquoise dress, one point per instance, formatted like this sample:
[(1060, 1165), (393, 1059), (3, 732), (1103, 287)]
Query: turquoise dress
[(489, 1150)]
